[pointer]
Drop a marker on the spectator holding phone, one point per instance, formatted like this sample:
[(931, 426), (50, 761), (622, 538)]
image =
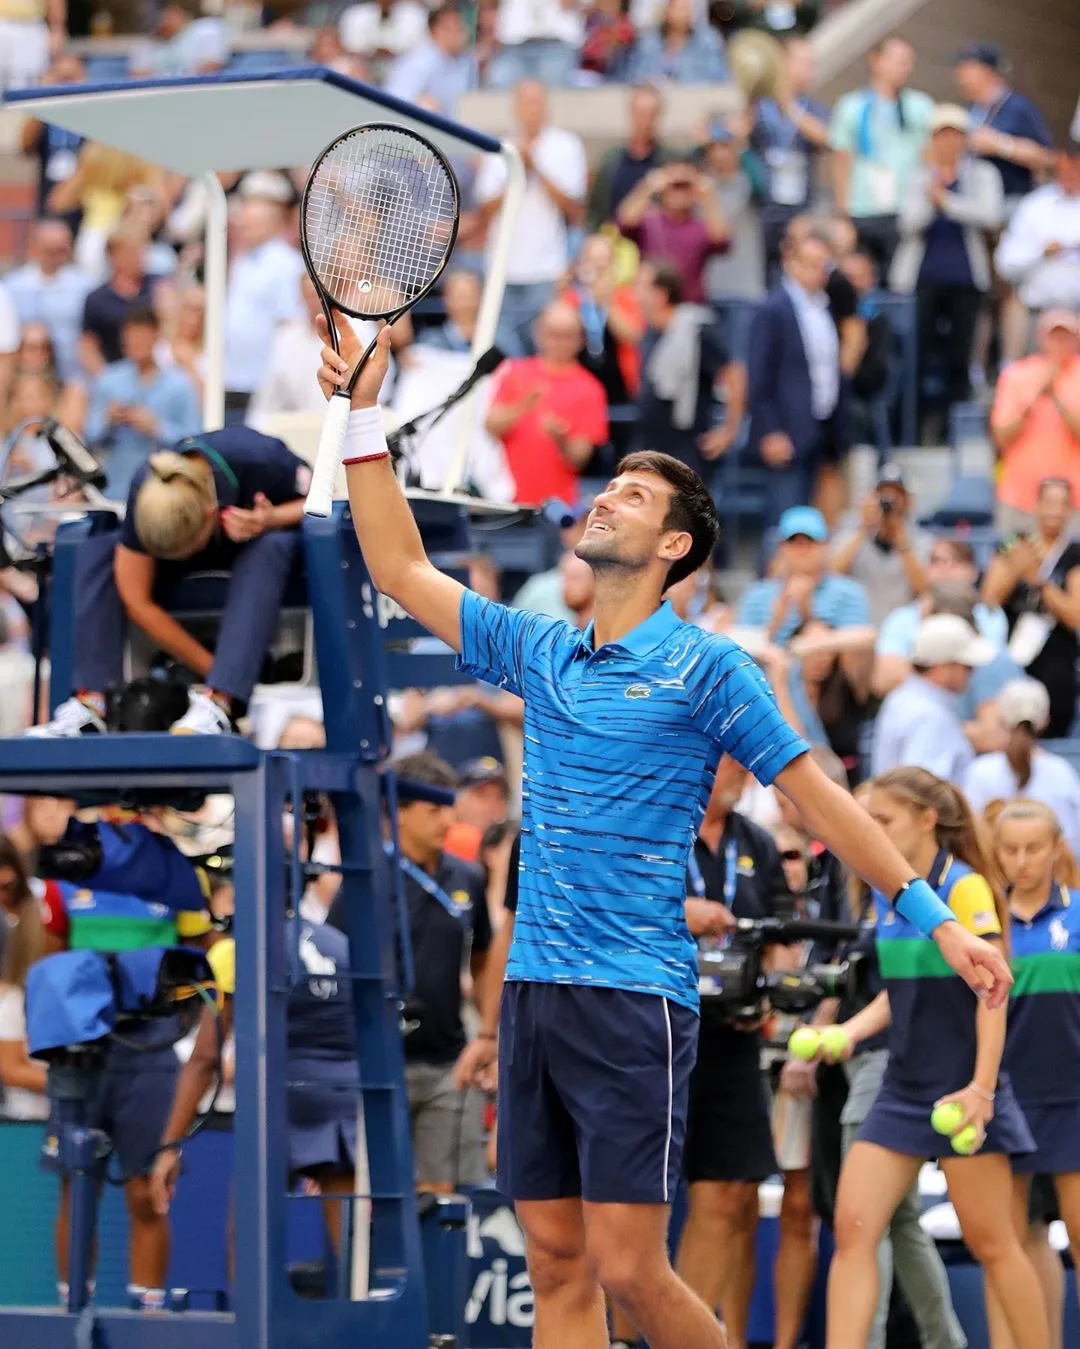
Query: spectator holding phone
[(886, 552), (674, 215)]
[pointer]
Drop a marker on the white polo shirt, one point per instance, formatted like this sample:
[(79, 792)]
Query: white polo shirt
[(919, 727), (263, 290), (539, 250)]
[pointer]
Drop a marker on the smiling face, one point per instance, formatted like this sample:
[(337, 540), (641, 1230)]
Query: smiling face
[(626, 526)]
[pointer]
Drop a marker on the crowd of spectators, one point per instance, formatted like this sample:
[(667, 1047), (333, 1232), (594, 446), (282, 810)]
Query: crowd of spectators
[(729, 297)]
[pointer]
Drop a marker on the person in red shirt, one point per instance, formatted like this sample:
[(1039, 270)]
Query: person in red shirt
[(549, 412)]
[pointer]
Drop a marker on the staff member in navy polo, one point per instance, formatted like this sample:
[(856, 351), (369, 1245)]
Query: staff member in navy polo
[(448, 927), (227, 501), (321, 1068)]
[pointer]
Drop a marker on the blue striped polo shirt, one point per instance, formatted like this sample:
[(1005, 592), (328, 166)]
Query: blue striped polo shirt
[(621, 749), (932, 1040), (1042, 1052)]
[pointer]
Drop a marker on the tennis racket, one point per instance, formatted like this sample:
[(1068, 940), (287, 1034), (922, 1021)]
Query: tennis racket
[(378, 222)]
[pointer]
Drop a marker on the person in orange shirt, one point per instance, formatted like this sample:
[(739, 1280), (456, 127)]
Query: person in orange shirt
[(549, 412), (1035, 420)]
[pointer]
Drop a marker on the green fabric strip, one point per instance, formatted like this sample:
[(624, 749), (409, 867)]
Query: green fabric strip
[(1046, 972), (911, 958), (94, 933)]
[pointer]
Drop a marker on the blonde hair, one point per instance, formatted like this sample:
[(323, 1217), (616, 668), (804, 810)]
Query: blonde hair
[(25, 945), (173, 504), (1066, 868), (956, 827)]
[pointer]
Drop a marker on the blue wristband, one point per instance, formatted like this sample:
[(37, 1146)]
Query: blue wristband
[(920, 905)]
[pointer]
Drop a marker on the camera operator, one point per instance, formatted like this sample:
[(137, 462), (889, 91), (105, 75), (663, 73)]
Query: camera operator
[(886, 553), (162, 904), (734, 872), (450, 929)]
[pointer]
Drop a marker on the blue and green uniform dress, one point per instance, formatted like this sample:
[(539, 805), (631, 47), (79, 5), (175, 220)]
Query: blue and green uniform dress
[(1042, 1052), (932, 1044)]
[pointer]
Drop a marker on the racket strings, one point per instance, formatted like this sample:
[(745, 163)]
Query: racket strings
[(379, 221)]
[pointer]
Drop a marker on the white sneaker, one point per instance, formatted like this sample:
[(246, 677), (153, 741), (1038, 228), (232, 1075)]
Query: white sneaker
[(203, 717), (72, 719)]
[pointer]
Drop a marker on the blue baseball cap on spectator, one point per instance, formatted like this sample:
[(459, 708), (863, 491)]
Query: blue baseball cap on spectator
[(803, 520), (719, 132), (987, 54)]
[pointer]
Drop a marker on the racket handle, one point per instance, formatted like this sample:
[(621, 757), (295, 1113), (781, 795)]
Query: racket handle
[(324, 472)]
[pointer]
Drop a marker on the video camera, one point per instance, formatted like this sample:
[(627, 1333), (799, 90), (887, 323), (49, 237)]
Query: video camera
[(734, 981)]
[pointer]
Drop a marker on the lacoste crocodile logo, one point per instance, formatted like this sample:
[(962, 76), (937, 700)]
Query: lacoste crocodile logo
[(637, 691)]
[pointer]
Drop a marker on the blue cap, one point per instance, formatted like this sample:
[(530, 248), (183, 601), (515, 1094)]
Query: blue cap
[(802, 520), (719, 133), (987, 54)]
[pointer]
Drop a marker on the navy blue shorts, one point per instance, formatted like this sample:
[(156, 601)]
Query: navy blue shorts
[(593, 1086), (131, 1104)]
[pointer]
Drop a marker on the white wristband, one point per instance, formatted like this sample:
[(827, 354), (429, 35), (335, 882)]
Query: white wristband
[(364, 436)]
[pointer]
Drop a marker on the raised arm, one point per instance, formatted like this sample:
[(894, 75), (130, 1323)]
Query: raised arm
[(389, 539)]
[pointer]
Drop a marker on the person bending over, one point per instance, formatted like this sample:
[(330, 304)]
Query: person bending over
[(227, 501)]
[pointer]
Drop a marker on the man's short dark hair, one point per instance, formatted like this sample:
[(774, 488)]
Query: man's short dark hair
[(667, 277), (427, 768), (142, 314), (691, 508)]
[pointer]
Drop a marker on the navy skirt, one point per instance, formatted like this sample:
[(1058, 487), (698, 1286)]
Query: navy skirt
[(901, 1122), (322, 1110), (1056, 1130)]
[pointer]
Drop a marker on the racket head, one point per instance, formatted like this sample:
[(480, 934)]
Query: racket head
[(378, 221)]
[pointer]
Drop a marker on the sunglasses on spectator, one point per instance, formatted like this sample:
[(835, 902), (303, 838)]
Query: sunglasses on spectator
[(793, 855)]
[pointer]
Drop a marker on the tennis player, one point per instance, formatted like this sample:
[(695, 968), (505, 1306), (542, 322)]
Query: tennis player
[(625, 724)]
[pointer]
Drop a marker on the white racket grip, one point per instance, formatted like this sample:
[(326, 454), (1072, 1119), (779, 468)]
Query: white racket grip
[(320, 497)]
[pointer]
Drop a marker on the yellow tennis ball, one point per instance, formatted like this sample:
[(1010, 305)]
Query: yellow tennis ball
[(947, 1117), (804, 1043), (835, 1041), (964, 1141)]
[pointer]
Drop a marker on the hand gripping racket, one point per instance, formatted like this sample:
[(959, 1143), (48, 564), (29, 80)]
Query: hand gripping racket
[(378, 222)]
